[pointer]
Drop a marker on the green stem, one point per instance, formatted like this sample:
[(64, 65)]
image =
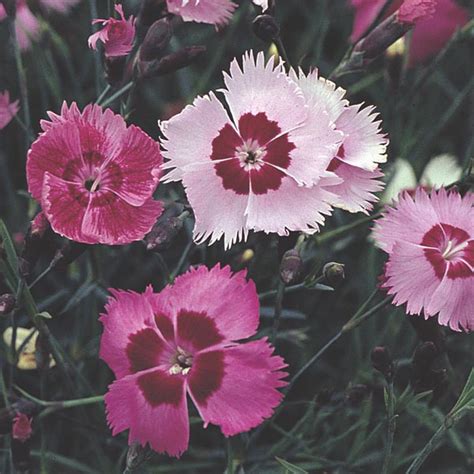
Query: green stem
[(97, 63), (62, 403), (341, 231), (391, 426), (280, 293), (118, 94), (314, 285), (427, 450)]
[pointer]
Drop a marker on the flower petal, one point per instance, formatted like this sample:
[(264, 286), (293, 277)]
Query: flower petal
[(245, 394), (216, 12), (152, 405)]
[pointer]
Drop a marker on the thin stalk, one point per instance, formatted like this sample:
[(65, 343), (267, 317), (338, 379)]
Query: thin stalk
[(280, 293), (118, 94), (62, 403), (294, 288), (182, 259), (230, 457), (103, 94), (427, 450), (43, 273), (391, 426), (97, 63), (340, 231)]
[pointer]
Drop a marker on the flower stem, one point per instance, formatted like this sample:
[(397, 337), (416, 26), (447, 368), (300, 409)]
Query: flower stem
[(427, 450), (280, 293), (391, 426), (118, 94)]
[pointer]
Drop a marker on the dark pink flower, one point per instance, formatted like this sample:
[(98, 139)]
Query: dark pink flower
[(435, 22), (116, 35), (430, 242), (7, 109), (21, 429), (27, 26), (216, 12), (94, 176), (182, 341)]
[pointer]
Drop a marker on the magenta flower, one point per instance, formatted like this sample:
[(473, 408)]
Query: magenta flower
[(7, 109), (94, 176), (184, 341), (215, 12), (362, 149), (265, 163), (27, 26), (21, 428), (116, 35), (435, 23), (430, 242)]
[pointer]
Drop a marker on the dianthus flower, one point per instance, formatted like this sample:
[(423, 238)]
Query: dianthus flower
[(163, 346), (27, 26), (430, 242), (215, 12), (264, 166), (94, 176), (117, 35), (363, 145), (7, 109), (435, 22)]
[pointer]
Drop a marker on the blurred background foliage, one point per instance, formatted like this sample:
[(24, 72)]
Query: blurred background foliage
[(334, 418)]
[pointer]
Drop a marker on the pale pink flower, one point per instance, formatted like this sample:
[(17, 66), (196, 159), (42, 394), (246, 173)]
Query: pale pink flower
[(94, 176), (27, 26), (7, 109), (261, 168), (435, 22), (263, 4), (363, 148), (430, 242), (183, 341), (215, 12), (117, 35), (21, 429), (60, 6)]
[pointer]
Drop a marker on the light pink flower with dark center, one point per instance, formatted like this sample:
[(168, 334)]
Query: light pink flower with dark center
[(261, 168), (363, 148), (94, 176), (27, 26), (183, 341), (117, 35), (215, 12), (435, 23), (7, 109), (430, 242), (21, 429)]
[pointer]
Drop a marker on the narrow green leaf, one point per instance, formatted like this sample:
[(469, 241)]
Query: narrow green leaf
[(292, 468)]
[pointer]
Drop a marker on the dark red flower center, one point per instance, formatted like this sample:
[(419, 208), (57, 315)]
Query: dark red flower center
[(450, 250), (252, 158)]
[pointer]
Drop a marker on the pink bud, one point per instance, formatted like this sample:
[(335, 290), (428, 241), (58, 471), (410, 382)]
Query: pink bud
[(21, 429)]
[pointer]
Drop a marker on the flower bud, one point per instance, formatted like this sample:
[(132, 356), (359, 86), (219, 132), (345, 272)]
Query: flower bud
[(114, 67), (170, 63), (334, 272), (36, 241), (266, 28), (425, 356), (156, 40), (290, 266), (21, 428), (7, 303), (136, 456), (163, 233), (381, 361), (39, 225)]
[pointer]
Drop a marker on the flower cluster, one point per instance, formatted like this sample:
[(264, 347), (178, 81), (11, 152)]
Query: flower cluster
[(291, 148), (94, 176), (162, 346), (430, 242)]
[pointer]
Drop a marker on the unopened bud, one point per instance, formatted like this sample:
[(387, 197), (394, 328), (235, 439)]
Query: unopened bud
[(163, 233), (21, 428), (156, 39), (136, 456), (7, 303), (382, 361), (114, 67), (290, 266), (170, 63), (266, 28), (334, 272), (424, 356), (10, 7), (429, 330)]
